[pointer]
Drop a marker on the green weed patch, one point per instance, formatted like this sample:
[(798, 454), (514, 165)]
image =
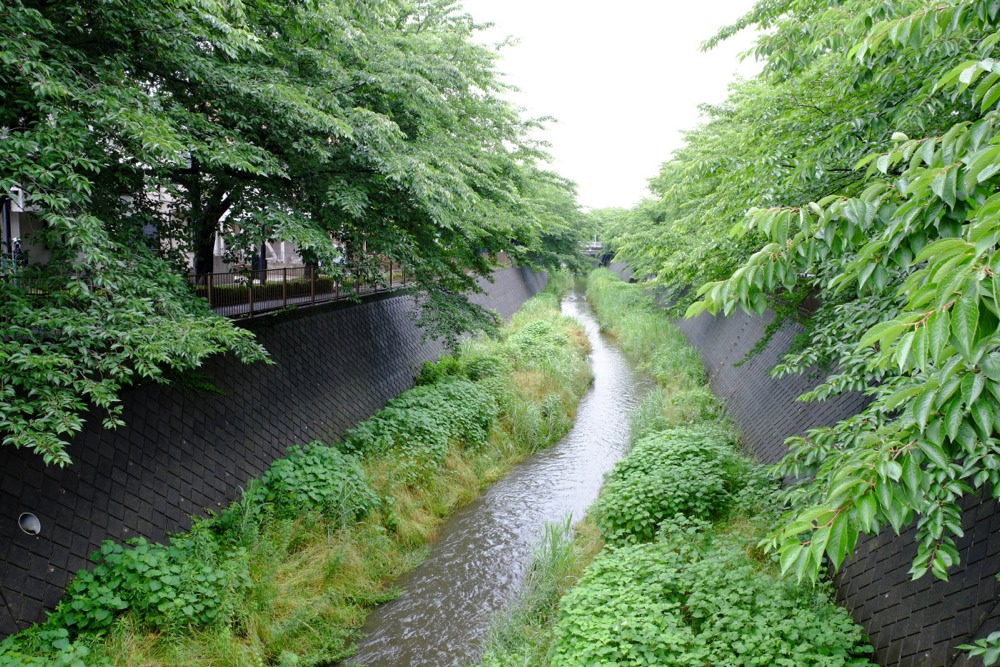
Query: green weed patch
[(694, 598), (685, 471)]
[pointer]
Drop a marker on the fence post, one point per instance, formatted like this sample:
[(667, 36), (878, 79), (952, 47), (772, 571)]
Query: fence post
[(250, 287), (284, 286), (210, 304), (312, 284)]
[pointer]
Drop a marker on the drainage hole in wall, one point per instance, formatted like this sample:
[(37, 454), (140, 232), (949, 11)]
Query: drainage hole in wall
[(29, 523)]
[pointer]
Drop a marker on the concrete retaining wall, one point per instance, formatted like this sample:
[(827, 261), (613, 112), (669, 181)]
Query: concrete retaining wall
[(185, 451)]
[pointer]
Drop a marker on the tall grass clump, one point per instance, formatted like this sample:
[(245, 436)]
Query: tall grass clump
[(656, 346), (520, 636), (560, 282), (286, 575), (682, 580)]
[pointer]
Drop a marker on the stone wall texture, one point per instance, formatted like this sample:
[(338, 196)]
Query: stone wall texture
[(186, 451), (910, 623)]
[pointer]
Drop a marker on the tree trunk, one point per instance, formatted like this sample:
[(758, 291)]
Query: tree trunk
[(207, 210), (203, 244)]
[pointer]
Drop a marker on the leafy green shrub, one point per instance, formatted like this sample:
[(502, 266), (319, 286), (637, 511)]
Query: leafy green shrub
[(420, 425), (239, 525), (760, 496), (479, 367), (692, 600), (690, 471), (436, 371), (188, 582), (321, 479), (474, 364), (533, 343), (45, 646)]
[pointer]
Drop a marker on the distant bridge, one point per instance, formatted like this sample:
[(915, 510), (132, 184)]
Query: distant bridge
[(601, 253)]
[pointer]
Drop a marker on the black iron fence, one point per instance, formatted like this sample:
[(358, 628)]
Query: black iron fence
[(249, 293)]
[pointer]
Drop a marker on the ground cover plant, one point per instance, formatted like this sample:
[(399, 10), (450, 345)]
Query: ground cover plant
[(286, 575), (682, 580), (690, 471), (694, 597)]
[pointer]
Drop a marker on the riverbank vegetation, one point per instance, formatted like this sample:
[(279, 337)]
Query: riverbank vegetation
[(286, 575), (681, 579), (865, 189), (521, 634)]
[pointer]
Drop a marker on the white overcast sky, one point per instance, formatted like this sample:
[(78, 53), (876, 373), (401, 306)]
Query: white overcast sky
[(622, 79)]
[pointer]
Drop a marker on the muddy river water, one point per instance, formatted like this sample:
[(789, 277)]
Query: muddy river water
[(480, 558)]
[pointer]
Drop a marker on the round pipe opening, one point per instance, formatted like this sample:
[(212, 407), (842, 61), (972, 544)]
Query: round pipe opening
[(29, 523)]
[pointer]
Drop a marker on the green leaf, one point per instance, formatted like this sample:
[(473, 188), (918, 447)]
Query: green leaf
[(902, 395), (972, 387), (991, 366), (938, 327), (986, 162), (943, 248), (912, 474), (934, 452), (965, 321), (982, 415), (791, 551), (881, 332), (836, 546), (866, 506), (922, 406)]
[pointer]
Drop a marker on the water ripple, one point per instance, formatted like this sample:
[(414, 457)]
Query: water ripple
[(477, 564)]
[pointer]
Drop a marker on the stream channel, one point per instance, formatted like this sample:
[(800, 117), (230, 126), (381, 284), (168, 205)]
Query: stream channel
[(476, 566)]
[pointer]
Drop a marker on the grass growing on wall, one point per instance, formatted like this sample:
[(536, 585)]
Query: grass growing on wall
[(286, 575), (681, 580)]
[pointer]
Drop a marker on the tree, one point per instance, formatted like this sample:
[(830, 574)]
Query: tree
[(105, 311), (364, 130), (905, 263), (559, 227), (792, 135), (867, 155)]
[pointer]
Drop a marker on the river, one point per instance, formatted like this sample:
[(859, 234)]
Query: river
[(476, 565)]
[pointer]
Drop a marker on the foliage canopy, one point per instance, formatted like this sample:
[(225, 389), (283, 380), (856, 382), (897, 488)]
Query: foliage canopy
[(358, 131)]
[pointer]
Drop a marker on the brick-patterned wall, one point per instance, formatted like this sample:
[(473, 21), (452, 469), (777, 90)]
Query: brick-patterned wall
[(185, 451), (764, 407), (910, 623)]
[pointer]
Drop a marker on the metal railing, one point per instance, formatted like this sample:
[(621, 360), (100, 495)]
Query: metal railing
[(248, 293)]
